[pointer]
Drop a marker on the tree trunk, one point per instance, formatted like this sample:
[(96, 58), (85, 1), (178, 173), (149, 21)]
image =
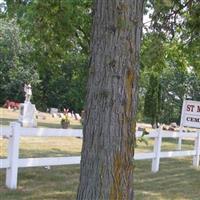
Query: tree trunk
[(109, 120)]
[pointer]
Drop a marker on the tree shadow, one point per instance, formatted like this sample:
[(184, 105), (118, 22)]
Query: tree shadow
[(175, 180), (39, 183), (51, 152), (6, 121)]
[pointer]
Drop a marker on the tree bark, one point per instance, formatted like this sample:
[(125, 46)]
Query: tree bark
[(109, 121)]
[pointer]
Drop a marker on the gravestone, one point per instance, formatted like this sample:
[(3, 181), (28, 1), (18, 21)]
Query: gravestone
[(53, 111), (27, 116)]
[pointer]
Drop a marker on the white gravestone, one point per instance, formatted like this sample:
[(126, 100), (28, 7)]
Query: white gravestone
[(53, 111), (27, 116)]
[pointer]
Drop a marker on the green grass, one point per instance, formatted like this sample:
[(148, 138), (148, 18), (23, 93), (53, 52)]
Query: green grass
[(176, 180), (41, 184), (7, 116)]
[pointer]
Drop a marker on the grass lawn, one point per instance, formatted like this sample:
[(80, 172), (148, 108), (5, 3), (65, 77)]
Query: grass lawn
[(7, 116), (176, 180)]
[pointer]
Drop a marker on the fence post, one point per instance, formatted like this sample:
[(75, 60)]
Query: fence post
[(180, 139), (13, 154), (179, 143), (197, 150), (157, 150)]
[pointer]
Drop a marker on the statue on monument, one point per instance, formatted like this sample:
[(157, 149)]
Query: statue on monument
[(28, 92), (27, 116)]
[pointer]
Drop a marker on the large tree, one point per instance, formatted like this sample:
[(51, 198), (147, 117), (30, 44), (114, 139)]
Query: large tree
[(58, 32), (109, 122), (15, 66)]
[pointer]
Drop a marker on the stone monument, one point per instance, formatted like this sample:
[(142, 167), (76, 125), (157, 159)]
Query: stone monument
[(27, 116)]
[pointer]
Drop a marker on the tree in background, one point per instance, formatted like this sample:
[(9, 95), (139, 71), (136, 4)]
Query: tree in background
[(58, 32), (16, 68), (169, 53), (152, 102), (153, 63), (59, 35)]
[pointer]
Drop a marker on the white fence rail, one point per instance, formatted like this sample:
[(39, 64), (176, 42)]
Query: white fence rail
[(15, 131)]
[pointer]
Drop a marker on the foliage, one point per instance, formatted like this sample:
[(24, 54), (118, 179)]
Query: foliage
[(16, 68), (66, 89), (65, 122), (50, 41), (58, 32), (164, 88), (142, 139), (153, 100), (170, 62)]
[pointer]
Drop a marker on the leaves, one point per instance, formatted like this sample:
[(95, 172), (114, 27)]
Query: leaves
[(14, 60), (51, 42)]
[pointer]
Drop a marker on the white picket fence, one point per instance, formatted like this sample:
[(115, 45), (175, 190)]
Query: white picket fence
[(15, 131)]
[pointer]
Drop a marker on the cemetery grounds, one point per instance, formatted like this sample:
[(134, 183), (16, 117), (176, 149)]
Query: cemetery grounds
[(176, 180)]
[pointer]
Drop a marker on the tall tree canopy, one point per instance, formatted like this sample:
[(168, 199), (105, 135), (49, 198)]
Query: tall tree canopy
[(58, 32), (15, 66), (174, 59)]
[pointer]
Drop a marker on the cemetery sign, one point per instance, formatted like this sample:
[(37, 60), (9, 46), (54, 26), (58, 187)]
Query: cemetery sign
[(190, 116)]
